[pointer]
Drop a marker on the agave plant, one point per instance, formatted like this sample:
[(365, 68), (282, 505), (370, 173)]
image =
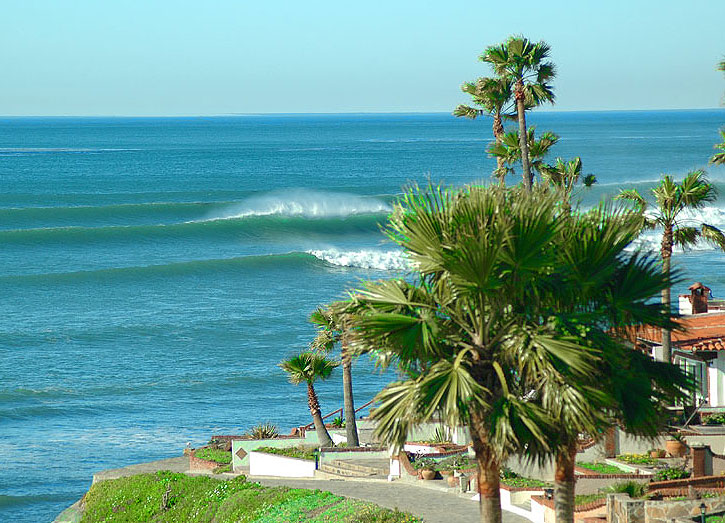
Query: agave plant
[(266, 430)]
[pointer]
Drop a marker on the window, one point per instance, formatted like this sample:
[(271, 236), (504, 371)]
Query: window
[(698, 371)]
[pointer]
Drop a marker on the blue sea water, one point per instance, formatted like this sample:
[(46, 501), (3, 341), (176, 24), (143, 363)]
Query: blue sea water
[(153, 271)]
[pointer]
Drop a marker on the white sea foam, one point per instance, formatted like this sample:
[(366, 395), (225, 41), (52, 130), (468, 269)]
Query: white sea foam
[(303, 203), (364, 259)]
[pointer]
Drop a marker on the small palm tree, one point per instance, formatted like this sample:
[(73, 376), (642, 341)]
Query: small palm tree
[(673, 200), (524, 64), (493, 97), (330, 322), (563, 176), (719, 157), (508, 150), (308, 367)]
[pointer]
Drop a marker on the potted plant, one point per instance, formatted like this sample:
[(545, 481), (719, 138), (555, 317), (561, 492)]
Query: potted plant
[(676, 445), (426, 468), (428, 472)]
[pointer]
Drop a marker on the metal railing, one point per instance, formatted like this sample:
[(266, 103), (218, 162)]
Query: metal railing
[(311, 425)]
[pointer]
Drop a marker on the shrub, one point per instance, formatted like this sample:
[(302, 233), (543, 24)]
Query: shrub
[(637, 459), (581, 499), (635, 489), (264, 430), (440, 436), (338, 423), (457, 462), (424, 464), (671, 473), (714, 419)]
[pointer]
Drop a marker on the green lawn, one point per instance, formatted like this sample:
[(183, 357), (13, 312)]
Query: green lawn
[(220, 456), (177, 498), (602, 468), (637, 459), (300, 452), (514, 480)]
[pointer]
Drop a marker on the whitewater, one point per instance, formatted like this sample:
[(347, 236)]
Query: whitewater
[(153, 271)]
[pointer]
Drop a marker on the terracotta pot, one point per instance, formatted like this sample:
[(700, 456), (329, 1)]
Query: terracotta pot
[(452, 481), (446, 473), (654, 454), (675, 448), (428, 474)]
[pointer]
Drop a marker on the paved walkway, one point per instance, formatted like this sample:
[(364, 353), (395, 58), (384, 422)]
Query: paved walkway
[(432, 505), (427, 500)]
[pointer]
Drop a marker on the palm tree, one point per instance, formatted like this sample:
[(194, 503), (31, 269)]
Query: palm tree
[(308, 367), (493, 96), (523, 63), (636, 390), (479, 333), (673, 200), (508, 150), (330, 324), (628, 388), (563, 176), (719, 157)]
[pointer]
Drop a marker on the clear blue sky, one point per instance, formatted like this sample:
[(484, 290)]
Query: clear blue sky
[(176, 57)]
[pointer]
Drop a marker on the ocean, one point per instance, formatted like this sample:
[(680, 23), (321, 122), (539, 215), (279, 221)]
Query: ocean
[(153, 271)]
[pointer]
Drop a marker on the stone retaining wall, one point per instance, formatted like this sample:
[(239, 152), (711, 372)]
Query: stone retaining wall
[(623, 509)]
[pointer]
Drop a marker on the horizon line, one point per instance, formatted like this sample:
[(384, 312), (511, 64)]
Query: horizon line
[(341, 113)]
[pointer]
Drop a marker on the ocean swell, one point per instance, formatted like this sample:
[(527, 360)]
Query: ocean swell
[(303, 203)]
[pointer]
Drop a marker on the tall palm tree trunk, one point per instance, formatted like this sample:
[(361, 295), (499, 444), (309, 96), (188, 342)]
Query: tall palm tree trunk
[(667, 241), (322, 435), (564, 484), (498, 132), (348, 401), (523, 142), (489, 470)]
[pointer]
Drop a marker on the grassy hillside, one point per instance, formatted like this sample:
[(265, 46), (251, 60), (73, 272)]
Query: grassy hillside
[(175, 498)]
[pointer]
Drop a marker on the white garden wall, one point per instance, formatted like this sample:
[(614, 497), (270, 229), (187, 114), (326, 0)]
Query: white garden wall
[(262, 464)]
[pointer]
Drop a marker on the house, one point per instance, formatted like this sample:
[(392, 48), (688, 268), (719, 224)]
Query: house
[(700, 348)]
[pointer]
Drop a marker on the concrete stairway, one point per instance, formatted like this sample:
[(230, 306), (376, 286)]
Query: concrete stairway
[(372, 469)]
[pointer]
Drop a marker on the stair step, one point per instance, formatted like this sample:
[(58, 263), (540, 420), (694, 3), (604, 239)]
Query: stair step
[(370, 469), (340, 471)]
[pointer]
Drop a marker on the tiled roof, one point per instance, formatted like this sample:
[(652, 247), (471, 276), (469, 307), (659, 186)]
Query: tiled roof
[(703, 332)]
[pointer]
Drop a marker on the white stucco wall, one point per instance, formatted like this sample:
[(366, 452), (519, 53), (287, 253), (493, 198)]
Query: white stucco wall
[(261, 464), (716, 376), (685, 307)]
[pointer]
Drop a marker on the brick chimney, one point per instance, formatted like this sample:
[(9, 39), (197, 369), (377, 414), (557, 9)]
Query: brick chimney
[(698, 297)]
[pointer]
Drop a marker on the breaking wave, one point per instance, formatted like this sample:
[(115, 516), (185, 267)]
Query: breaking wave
[(303, 203), (364, 259)]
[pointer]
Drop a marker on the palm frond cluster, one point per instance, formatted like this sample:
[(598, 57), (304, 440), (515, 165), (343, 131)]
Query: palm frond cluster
[(509, 325)]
